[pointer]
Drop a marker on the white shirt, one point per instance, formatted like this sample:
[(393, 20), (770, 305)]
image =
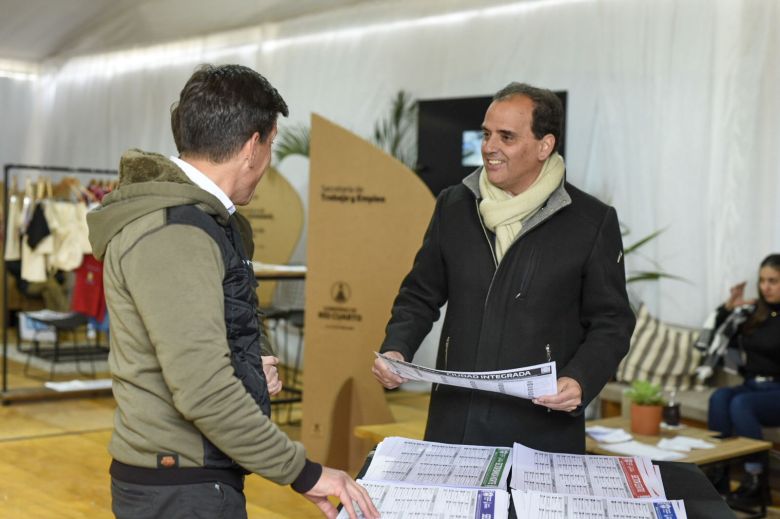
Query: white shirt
[(205, 183)]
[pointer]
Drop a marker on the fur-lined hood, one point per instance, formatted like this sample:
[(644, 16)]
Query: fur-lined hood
[(148, 182)]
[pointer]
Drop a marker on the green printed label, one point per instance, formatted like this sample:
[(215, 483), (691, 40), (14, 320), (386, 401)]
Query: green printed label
[(495, 468)]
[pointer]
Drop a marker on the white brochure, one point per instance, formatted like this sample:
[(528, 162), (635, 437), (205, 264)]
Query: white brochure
[(635, 448), (537, 505), (398, 501), (431, 463), (608, 476), (526, 382)]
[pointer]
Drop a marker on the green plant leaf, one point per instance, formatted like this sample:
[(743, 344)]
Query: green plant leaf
[(393, 134), (650, 276), (643, 392), (633, 247), (647, 275), (292, 141)]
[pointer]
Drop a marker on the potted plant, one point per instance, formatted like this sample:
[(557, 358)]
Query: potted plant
[(646, 407)]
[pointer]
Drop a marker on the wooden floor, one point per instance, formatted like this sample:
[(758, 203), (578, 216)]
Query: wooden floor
[(54, 461)]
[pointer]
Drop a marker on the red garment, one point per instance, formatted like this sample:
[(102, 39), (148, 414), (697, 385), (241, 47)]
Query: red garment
[(88, 296)]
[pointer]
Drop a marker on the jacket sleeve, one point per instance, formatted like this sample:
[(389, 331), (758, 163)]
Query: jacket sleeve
[(174, 276), (422, 293), (605, 313), (721, 314)]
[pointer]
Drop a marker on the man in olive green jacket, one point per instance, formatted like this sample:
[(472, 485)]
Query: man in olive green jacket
[(192, 395)]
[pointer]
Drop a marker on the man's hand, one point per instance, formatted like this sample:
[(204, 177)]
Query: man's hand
[(337, 483), (383, 373), (271, 374), (568, 398)]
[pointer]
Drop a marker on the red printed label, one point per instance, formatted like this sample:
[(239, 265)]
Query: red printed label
[(634, 478)]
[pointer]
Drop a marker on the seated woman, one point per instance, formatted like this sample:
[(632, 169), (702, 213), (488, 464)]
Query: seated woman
[(743, 410)]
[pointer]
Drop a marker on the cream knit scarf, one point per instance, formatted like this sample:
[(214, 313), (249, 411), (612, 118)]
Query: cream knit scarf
[(503, 213)]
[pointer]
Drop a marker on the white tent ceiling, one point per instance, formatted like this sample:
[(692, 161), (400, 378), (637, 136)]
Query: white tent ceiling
[(36, 30), (673, 113)]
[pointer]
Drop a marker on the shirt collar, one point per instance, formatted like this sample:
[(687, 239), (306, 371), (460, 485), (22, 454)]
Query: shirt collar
[(205, 183)]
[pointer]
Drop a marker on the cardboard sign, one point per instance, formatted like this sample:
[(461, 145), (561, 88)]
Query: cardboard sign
[(276, 215), (367, 217)]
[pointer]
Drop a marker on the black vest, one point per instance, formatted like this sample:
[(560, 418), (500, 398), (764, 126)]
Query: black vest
[(244, 332)]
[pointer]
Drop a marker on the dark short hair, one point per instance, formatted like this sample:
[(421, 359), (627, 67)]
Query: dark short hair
[(548, 109), (220, 108)]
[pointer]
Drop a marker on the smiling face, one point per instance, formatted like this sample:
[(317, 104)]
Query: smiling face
[(512, 155), (769, 284)]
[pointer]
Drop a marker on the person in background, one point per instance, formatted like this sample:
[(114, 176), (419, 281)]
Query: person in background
[(532, 270), (743, 410), (192, 393)]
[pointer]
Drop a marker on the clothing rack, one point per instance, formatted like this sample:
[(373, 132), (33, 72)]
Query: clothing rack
[(8, 168)]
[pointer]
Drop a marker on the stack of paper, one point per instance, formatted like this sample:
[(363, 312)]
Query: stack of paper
[(635, 448), (684, 443), (611, 476), (398, 501), (437, 480), (562, 486), (608, 434), (428, 480), (667, 449), (536, 505)]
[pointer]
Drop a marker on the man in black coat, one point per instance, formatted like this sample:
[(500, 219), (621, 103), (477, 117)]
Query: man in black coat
[(531, 269)]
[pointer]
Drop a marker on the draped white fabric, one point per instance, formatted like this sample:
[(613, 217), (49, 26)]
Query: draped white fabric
[(16, 104), (674, 108)]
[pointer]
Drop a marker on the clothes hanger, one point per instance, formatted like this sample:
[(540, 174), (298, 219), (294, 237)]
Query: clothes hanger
[(40, 189)]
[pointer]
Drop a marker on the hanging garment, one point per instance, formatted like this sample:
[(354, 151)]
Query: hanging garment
[(34, 259), (88, 296), (13, 244), (28, 204), (38, 229), (52, 291), (19, 213), (68, 223)]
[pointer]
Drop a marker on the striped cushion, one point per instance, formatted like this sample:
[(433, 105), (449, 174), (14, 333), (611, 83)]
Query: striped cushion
[(660, 353)]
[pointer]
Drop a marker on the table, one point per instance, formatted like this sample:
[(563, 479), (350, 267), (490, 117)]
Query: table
[(726, 449), (686, 481), (414, 429), (683, 481)]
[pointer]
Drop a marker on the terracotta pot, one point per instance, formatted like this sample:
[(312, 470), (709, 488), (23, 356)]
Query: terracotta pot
[(646, 419)]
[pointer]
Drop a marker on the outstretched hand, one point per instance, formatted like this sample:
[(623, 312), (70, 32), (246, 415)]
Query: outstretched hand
[(337, 483), (567, 399)]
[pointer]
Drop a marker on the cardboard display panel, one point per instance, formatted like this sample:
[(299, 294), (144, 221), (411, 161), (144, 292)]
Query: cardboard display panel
[(367, 217), (276, 215)]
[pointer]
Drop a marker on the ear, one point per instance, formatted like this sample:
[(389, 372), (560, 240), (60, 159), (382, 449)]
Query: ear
[(249, 149), (546, 146)]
